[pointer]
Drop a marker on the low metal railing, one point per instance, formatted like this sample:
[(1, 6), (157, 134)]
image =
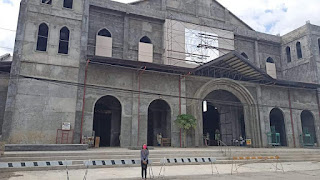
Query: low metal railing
[(225, 149)]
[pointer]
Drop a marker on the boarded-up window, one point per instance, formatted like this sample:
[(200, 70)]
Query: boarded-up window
[(68, 4), (245, 55), (64, 41), (46, 1), (42, 41), (104, 43), (145, 52), (271, 68), (288, 53), (299, 51)]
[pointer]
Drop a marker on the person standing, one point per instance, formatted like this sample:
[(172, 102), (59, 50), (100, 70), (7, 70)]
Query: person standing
[(159, 138), (144, 160), (217, 136)]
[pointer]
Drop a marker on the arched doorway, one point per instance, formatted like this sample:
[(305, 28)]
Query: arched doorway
[(308, 128), (107, 121), (225, 114), (250, 109), (277, 127), (159, 121)]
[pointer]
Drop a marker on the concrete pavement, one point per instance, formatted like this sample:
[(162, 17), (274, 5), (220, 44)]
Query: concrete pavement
[(293, 170)]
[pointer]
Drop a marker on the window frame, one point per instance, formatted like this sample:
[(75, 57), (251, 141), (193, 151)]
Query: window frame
[(299, 50), (60, 40), (47, 38), (63, 4), (288, 54)]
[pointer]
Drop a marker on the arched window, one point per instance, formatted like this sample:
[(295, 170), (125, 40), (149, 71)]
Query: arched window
[(288, 53), (64, 41), (46, 1), (245, 55), (42, 41), (145, 52), (104, 32), (145, 39), (271, 68), (319, 44), (104, 43), (270, 60), (68, 4), (299, 51)]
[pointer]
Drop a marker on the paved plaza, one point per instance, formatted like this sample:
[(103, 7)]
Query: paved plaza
[(292, 170)]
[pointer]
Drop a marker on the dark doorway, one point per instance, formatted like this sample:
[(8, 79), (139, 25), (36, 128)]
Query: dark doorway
[(225, 113), (308, 128), (277, 125), (107, 121), (211, 123), (159, 121)]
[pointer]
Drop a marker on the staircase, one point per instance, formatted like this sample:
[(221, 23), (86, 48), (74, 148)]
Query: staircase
[(77, 158)]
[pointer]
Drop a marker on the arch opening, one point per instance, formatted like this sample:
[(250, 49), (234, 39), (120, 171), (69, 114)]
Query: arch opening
[(159, 121), (245, 55), (145, 39), (299, 51), (104, 32), (43, 34), (288, 53), (223, 120), (107, 121), (308, 129), (64, 41), (277, 136)]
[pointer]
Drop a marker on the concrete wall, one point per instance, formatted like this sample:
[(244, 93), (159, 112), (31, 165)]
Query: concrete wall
[(36, 108), (4, 80), (304, 69), (278, 97), (123, 84)]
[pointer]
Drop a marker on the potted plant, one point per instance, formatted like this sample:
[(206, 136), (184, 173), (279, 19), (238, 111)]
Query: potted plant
[(186, 122)]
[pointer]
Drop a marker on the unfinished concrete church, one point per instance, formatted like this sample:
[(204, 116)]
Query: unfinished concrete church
[(124, 72)]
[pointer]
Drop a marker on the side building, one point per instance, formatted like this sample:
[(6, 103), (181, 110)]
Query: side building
[(124, 72)]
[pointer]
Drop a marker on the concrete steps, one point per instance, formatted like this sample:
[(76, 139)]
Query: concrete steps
[(78, 157)]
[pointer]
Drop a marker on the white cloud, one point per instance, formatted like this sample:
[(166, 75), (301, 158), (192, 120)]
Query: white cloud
[(283, 15), (270, 16)]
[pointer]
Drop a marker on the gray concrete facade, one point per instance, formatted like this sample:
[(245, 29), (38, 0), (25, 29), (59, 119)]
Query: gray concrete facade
[(50, 87)]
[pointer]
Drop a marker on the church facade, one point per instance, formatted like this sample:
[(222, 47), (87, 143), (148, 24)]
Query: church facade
[(124, 72)]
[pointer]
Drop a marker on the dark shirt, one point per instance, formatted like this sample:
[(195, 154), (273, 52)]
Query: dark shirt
[(144, 155)]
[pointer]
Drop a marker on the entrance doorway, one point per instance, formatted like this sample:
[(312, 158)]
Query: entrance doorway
[(224, 115), (107, 121), (159, 121), (308, 129), (277, 126), (211, 124)]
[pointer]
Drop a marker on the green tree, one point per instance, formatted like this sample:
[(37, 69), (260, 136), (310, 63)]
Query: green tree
[(186, 122)]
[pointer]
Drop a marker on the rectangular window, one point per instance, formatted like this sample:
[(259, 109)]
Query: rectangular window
[(63, 47), (68, 4)]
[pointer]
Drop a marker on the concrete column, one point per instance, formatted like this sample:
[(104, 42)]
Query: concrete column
[(317, 119), (163, 5), (264, 124), (256, 49), (125, 37), (134, 128)]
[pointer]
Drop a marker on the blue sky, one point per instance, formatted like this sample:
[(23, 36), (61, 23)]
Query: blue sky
[(269, 16)]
